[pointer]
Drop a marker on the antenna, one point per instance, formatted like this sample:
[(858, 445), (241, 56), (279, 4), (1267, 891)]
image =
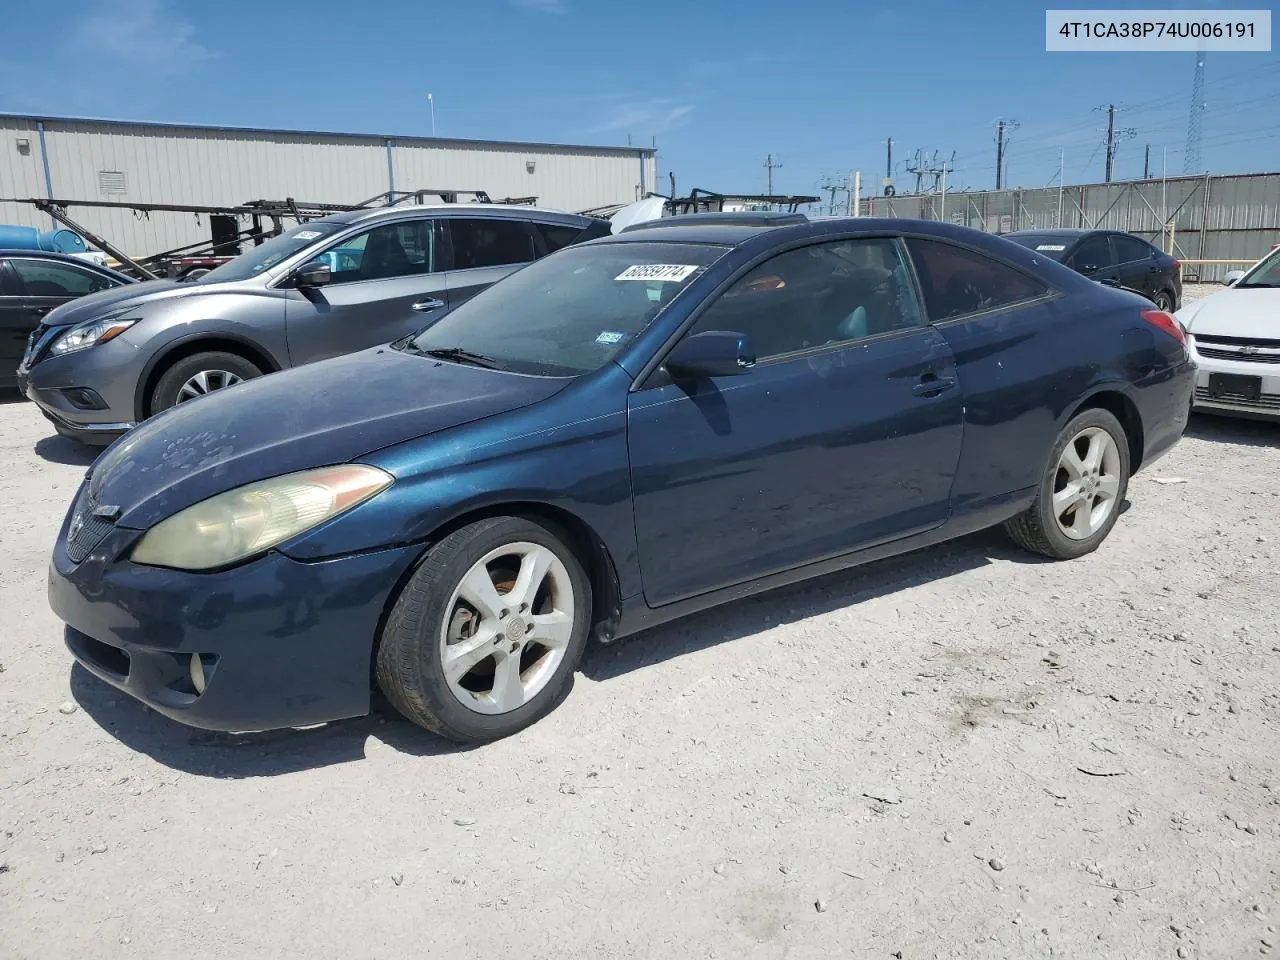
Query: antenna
[(1191, 155)]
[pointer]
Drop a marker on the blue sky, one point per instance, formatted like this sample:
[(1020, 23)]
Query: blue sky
[(720, 84)]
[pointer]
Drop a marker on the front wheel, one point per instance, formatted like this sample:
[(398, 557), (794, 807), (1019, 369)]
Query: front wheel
[(200, 374), (1079, 497), (485, 636)]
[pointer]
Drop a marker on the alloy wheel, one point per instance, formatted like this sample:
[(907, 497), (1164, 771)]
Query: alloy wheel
[(1086, 484), (207, 381), (507, 627)]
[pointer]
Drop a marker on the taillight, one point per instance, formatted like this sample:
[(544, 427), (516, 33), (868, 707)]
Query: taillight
[(1166, 322), (1177, 267)]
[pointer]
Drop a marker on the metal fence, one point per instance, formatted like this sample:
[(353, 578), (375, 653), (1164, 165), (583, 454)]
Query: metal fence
[(1211, 223)]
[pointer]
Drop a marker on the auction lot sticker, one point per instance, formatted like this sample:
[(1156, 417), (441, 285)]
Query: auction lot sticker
[(662, 272)]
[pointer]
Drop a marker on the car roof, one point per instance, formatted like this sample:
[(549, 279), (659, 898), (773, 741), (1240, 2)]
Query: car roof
[(744, 218), (59, 258), (1056, 232), (504, 211)]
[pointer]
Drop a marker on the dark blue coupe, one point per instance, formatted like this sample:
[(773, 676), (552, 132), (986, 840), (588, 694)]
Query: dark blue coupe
[(625, 432)]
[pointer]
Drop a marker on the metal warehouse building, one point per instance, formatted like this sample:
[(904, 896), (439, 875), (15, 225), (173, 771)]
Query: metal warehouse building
[(79, 159)]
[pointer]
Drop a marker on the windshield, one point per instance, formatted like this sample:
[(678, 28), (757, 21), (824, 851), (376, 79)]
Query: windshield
[(1055, 248), (570, 313), (1265, 274), (257, 259)]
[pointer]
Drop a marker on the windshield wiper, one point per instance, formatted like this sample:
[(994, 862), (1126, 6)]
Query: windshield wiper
[(459, 355), (1256, 286)]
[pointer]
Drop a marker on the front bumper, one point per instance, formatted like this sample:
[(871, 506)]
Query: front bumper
[(281, 643), (1266, 406), (109, 372)]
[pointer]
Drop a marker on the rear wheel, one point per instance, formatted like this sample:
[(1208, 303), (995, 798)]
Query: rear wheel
[(198, 375), (1079, 497), (485, 636), (1163, 301)]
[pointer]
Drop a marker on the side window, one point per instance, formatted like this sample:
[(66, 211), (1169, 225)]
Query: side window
[(9, 285), (1093, 254), (47, 279), (554, 236), (402, 249), (490, 243), (1129, 249), (825, 293), (957, 281)]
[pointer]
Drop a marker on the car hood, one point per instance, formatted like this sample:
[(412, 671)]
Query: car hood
[(111, 302), (323, 413), (1235, 313)]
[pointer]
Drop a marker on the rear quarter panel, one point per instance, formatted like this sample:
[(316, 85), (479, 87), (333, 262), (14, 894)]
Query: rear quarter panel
[(1024, 372)]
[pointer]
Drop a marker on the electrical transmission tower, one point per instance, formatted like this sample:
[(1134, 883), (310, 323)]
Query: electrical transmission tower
[(1191, 155)]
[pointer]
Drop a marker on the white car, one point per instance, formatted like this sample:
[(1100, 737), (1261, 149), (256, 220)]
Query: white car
[(1234, 338)]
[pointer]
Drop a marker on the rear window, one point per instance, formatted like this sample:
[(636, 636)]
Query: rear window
[(957, 281), (1055, 248)]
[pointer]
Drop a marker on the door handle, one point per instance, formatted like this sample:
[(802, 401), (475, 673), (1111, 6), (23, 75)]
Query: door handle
[(431, 303), (931, 385), (40, 311)]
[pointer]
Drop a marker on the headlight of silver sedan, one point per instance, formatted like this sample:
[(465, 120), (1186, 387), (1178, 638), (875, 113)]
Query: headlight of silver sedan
[(248, 520), (84, 335)]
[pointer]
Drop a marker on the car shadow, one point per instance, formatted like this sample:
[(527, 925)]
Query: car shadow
[(233, 756), (275, 753), (60, 449), (1237, 430), (801, 601)]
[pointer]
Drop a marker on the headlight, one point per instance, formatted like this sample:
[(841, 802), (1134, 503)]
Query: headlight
[(250, 519), (87, 334)]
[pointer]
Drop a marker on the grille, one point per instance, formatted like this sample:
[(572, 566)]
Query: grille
[(1267, 402), (1217, 353), (85, 530)]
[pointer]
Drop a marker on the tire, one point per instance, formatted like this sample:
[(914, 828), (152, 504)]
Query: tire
[(1040, 528), (169, 390), (1164, 301), (430, 621)]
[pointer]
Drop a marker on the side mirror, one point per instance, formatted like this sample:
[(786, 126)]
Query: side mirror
[(1233, 277), (313, 274), (715, 353), (1088, 269)]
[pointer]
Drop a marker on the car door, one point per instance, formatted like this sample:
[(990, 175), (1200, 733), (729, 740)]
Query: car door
[(384, 285), (1094, 258), (846, 432), (1136, 265), (39, 285), (484, 250), (15, 324)]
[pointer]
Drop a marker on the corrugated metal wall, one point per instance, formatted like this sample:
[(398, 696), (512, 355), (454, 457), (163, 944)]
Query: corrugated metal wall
[(1208, 218), (91, 160)]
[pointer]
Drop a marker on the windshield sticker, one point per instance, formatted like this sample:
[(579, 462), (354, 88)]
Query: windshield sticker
[(610, 336), (662, 272), (1055, 247), (306, 234)]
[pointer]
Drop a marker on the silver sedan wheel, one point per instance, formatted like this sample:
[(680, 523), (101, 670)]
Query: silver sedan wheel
[(207, 381), (507, 627), (1086, 484)]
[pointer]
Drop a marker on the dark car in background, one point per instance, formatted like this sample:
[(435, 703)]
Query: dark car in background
[(1113, 258), (34, 282), (625, 432), (324, 288)]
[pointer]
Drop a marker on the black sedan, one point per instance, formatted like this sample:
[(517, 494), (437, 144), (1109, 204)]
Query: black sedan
[(1113, 258), (625, 432), (33, 282)]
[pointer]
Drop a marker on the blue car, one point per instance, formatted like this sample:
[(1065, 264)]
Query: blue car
[(625, 432)]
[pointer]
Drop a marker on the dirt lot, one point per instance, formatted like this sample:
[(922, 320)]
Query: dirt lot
[(960, 753)]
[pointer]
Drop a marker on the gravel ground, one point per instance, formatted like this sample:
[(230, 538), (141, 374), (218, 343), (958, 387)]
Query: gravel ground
[(960, 753)]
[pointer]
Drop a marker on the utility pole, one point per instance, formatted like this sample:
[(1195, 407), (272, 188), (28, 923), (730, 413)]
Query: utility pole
[(919, 170), (1001, 127), (771, 164), (888, 162), (1146, 164), (1111, 137)]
